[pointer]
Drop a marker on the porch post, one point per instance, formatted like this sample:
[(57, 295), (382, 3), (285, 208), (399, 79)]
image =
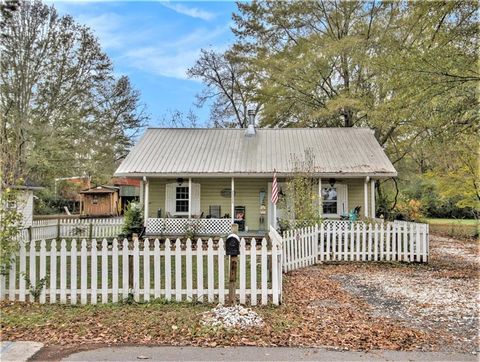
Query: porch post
[(232, 199), (189, 197), (365, 192), (320, 202), (146, 200), (141, 191), (372, 195)]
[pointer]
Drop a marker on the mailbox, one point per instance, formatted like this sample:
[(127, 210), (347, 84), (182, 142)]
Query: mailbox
[(232, 245)]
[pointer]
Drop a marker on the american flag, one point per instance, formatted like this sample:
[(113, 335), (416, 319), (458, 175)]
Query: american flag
[(274, 188)]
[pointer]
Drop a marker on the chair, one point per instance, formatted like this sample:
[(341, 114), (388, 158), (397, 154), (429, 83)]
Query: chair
[(215, 211)]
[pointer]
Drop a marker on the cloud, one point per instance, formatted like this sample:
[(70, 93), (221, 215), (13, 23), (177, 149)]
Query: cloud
[(173, 58), (106, 27), (192, 12)]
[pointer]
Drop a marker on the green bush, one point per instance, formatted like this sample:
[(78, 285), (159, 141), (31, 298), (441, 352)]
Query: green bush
[(133, 222)]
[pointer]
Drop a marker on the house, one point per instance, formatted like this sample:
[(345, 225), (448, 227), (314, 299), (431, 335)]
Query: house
[(100, 201), (210, 178)]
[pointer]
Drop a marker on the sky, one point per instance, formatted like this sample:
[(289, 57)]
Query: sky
[(155, 42)]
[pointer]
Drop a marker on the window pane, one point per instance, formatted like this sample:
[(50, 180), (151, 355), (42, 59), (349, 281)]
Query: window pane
[(182, 206), (330, 207), (329, 193), (182, 193)]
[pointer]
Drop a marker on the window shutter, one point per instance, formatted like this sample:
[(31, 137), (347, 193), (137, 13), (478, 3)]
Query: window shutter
[(195, 199), (170, 198)]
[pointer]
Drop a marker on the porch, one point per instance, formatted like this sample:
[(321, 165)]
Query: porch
[(208, 206)]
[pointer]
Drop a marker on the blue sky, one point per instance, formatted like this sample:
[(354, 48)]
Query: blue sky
[(155, 42)]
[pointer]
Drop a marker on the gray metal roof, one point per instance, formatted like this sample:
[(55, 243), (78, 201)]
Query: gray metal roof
[(213, 151)]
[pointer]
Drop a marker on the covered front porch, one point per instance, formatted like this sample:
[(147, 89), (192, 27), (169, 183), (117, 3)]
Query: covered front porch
[(209, 205)]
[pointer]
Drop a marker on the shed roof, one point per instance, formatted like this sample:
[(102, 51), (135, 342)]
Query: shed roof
[(216, 151), (103, 189)]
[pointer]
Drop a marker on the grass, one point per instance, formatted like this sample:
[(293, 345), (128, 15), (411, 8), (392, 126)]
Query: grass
[(141, 272), (469, 222), (456, 228)]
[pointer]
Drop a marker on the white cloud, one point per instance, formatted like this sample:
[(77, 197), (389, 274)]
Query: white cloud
[(173, 58), (106, 27), (192, 12)]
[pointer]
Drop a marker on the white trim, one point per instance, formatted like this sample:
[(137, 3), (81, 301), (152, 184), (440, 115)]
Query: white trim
[(146, 201), (365, 193), (372, 196), (189, 197), (232, 200), (320, 202)]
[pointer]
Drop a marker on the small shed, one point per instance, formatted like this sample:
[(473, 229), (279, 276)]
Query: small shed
[(24, 202), (100, 201)]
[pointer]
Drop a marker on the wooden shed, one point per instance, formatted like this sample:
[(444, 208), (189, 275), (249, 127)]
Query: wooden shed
[(100, 201)]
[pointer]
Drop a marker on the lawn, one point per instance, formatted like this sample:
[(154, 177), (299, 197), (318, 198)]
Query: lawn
[(457, 228), (470, 222), (362, 306)]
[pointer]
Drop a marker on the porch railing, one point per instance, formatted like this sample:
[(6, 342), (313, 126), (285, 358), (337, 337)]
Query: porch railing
[(177, 226)]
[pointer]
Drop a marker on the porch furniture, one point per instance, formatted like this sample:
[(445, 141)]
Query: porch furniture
[(215, 211)]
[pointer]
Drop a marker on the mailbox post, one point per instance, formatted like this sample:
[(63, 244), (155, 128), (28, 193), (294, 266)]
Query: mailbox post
[(232, 249)]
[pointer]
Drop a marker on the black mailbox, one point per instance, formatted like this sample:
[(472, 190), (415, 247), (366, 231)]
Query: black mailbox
[(232, 246)]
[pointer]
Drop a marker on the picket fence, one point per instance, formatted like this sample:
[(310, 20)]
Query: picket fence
[(359, 241), (72, 228), (179, 270)]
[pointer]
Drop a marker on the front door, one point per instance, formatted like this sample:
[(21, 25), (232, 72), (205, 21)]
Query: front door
[(281, 212)]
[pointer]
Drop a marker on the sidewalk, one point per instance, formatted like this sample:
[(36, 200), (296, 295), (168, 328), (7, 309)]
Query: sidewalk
[(256, 354), (18, 351)]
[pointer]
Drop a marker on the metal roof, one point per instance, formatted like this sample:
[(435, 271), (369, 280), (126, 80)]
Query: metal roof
[(218, 151)]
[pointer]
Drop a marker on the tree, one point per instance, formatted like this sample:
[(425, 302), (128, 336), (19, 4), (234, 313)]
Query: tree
[(301, 199), (10, 221), (178, 119), (228, 84), (408, 70), (62, 110)]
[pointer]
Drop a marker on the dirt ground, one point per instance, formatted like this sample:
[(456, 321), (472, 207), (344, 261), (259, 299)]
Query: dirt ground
[(348, 306)]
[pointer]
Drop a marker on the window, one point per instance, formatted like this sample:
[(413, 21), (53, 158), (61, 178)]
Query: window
[(95, 200), (329, 200), (181, 199)]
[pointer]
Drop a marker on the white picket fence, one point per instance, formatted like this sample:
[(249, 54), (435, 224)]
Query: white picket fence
[(72, 228), (397, 241), (92, 273)]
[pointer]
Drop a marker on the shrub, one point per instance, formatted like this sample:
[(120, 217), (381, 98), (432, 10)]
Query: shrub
[(133, 219), (410, 210)]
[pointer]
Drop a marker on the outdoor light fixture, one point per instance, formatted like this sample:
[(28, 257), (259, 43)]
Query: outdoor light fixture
[(180, 181), (332, 182)]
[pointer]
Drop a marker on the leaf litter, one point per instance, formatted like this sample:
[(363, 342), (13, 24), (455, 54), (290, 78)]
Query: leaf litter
[(355, 306)]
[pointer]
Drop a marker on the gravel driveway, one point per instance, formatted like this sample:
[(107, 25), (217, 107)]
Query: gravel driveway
[(440, 298)]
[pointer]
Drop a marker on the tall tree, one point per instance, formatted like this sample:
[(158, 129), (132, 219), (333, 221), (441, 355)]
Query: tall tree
[(60, 104), (228, 85)]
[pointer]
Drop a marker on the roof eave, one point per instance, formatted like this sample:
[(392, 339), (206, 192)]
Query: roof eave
[(256, 174)]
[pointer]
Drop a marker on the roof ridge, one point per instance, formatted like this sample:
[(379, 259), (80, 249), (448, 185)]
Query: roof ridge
[(260, 128)]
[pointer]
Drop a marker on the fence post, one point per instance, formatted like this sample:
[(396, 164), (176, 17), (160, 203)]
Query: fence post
[(58, 228)]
